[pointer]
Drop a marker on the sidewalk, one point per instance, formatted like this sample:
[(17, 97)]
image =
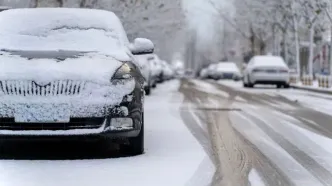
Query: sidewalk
[(313, 88)]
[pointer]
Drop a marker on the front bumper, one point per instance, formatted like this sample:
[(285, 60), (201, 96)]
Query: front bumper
[(85, 117)]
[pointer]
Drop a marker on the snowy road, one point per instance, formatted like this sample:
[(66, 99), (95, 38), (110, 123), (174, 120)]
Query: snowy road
[(265, 136), (197, 133), (173, 155)]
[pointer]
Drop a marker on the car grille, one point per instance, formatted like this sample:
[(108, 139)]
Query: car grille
[(74, 123), (29, 88)]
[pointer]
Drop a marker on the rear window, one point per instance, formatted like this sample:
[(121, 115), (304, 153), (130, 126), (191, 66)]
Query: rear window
[(268, 61)]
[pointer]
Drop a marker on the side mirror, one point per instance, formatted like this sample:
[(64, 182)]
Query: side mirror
[(141, 46)]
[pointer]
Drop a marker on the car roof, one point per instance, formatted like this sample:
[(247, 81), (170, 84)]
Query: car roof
[(19, 21)]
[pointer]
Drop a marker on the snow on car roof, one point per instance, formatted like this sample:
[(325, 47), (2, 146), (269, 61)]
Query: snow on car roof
[(227, 66), (268, 61), (61, 28)]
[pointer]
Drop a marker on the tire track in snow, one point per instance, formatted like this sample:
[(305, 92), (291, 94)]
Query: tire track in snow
[(233, 161), (236, 157), (294, 109), (323, 175), (197, 131)]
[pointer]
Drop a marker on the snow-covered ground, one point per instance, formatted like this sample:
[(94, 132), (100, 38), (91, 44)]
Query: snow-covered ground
[(173, 156), (282, 130)]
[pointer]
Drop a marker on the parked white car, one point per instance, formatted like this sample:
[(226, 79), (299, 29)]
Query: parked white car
[(203, 73), (147, 72), (266, 70), (222, 70), (226, 70), (167, 71), (156, 68)]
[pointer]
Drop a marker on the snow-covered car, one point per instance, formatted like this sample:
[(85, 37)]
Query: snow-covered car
[(147, 72), (70, 72), (203, 73), (167, 71), (225, 70), (266, 70), (156, 68)]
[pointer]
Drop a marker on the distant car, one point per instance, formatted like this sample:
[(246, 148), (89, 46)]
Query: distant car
[(156, 69), (189, 73), (147, 71), (226, 70), (222, 70), (70, 73), (266, 70), (203, 73), (167, 71)]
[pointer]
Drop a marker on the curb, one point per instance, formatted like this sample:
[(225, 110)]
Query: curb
[(312, 89)]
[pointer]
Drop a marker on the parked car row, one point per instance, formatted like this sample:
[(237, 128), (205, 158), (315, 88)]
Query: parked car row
[(262, 69), (221, 70), (154, 71)]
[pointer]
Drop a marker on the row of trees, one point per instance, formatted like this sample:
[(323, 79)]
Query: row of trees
[(157, 20), (278, 26)]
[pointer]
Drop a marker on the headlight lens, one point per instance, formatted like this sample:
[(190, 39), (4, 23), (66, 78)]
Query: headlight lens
[(124, 72), (122, 75)]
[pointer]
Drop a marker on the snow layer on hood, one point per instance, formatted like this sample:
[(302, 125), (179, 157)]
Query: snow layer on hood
[(93, 67), (269, 61), (63, 28)]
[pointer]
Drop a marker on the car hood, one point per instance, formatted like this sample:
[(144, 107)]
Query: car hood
[(57, 65)]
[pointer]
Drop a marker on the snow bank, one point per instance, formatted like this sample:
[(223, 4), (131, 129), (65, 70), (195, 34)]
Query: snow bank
[(63, 28)]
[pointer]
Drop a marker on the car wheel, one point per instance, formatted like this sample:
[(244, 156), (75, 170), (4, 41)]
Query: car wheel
[(245, 84), (147, 90), (286, 85), (136, 144), (278, 85), (250, 85)]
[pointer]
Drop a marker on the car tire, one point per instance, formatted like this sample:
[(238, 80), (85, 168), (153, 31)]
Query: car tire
[(250, 85), (286, 85), (245, 84), (136, 144), (147, 90), (278, 85)]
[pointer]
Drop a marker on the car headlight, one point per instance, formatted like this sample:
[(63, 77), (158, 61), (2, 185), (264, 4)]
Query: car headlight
[(122, 74)]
